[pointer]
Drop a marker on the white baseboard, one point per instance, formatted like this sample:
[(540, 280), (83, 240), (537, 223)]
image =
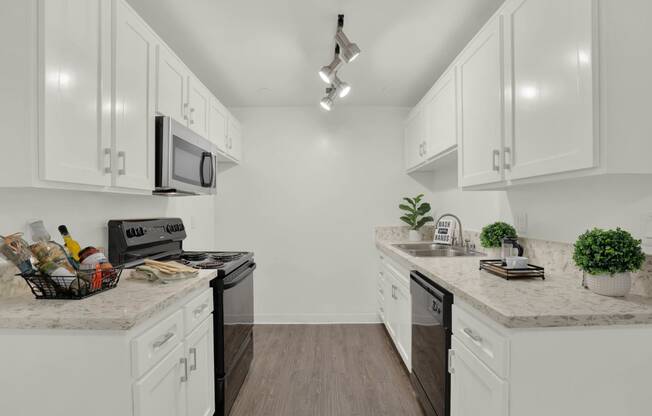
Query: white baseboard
[(317, 318)]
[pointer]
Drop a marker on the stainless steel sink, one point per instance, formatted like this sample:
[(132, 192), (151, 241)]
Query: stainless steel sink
[(436, 250)]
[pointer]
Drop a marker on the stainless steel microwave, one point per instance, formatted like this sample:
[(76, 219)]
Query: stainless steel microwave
[(186, 163)]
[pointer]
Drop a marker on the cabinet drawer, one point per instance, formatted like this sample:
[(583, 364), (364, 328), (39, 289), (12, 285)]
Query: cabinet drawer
[(197, 310), (491, 347), (150, 347)]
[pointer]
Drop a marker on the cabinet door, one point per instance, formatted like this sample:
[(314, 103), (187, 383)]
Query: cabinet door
[(162, 391), (75, 125), (441, 116), (199, 99), (171, 85), (481, 107), (134, 100), (235, 138), (475, 389), (403, 313), (415, 130), (551, 83), (201, 379), (390, 307), (217, 124)]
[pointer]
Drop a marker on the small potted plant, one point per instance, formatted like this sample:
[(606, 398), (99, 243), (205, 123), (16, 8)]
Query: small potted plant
[(492, 236), (416, 215), (607, 257)]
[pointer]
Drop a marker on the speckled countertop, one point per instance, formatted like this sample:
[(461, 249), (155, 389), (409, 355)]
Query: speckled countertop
[(559, 301), (130, 303)]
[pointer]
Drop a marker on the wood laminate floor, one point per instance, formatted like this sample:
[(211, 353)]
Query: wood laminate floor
[(325, 370)]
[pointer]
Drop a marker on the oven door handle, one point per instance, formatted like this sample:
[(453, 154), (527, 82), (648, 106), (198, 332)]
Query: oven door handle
[(206, 183), (250, 269)]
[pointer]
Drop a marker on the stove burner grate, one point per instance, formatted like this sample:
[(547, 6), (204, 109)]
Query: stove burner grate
[(226, 257)]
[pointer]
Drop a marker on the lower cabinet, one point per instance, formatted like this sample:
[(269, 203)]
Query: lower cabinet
[(396, 306), (162, 392), (475, 389), (201, 376)]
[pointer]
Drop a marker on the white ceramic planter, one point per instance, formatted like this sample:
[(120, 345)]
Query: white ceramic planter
[(617, 284), (414, 235)]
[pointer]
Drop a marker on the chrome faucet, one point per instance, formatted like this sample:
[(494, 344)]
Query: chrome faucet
[(459, 239)]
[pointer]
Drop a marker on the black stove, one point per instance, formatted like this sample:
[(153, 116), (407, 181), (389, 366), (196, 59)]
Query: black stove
[(133, 241)]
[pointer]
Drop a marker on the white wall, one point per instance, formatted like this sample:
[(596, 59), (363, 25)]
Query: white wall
[(312, 187), (87, 213)]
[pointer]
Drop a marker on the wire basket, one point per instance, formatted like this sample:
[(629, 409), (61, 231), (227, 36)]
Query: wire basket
[(83, 285)]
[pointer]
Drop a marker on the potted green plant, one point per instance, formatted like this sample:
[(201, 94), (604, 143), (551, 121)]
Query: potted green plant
[(491, 236), (607, 258), (416, 215)]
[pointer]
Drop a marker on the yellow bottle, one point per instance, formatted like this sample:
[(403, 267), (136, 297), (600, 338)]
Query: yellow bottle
[(72, 245)]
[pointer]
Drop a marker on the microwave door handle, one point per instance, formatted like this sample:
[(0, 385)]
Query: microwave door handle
[(206, 183)]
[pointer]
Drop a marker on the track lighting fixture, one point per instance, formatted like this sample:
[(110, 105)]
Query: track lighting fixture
[(345, 52), (327, 102), (342, 88), (328, 72), (348, 49)]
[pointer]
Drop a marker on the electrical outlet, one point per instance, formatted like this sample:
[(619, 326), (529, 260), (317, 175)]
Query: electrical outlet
[(647, 230), (520, 222)]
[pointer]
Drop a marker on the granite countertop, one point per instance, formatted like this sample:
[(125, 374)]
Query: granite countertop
[(128, 304), (558, 301)]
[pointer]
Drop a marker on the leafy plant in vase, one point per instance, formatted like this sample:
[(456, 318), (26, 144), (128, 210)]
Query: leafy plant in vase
[(607, 258), (416, 215), (491, 237)]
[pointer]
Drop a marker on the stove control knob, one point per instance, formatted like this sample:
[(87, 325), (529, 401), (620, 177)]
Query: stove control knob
[(140, 232), (181, 227), (168, 228)]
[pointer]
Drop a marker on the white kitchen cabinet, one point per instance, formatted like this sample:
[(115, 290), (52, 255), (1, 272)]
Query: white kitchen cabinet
[(201, 374), (74, 124), (440, 112), (475, 389), (402, 311), (162, 392), (235, 138), (415, 137), (218, 117), (171, 85), (549, 86), (480, 87), (199, 99), (133, 105), (397, 307)]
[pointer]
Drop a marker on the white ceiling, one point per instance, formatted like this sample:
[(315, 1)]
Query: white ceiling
[(268, 52)]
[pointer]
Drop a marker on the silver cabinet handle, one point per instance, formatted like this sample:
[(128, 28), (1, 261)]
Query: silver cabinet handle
[(475, 337), (451, 354), (192, 119), (507, 158), (200, 309), (123, 155), (185, 111), (425, 148), (184, 362), (193, 366), (495, 155), (421, 149), (165, 338), (107, 152)]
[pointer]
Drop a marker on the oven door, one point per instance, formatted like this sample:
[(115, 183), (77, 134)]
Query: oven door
[(238, 313), (185, 162)]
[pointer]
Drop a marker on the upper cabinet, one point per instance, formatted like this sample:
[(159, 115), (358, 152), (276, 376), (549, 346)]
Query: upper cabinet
[(431, 127), (81, 91), (199, 99), (135, 51), (481, 107), (549, 80), (171, 85), (547, 90), (75, 142)]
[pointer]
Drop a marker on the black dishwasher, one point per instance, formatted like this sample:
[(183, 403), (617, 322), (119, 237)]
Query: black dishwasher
[(431, 340)]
